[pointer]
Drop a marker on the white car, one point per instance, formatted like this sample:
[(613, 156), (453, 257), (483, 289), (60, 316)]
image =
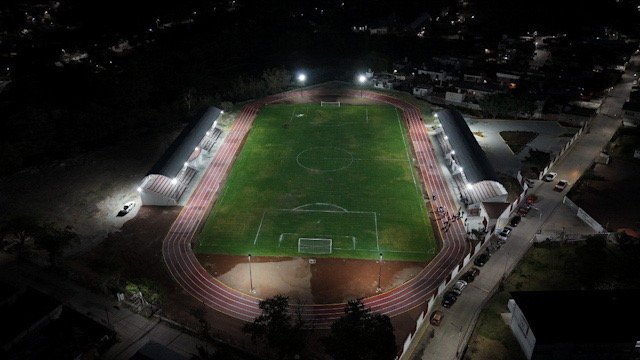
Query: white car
[(550, 176), (504, 234), (128, 207), (561, 185), (459, 286)]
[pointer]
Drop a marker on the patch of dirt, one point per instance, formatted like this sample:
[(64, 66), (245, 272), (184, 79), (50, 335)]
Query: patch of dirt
[(326, 281), (484, 348), (85, 192), (518, 140)]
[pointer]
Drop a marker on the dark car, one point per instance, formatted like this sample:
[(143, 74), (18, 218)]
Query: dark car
[(470, 275), (482, 259), (449, 299), (515, 221)]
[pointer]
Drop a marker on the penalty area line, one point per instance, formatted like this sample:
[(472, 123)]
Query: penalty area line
[(259, 227)]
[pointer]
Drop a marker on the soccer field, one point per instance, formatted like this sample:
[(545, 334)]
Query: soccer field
[(322, 181)]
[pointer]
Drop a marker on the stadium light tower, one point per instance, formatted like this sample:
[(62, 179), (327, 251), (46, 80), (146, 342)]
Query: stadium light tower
[(302, 78), (362, 80)]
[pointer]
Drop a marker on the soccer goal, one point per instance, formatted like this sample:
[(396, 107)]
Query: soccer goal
[(330, 103), (315, 245)]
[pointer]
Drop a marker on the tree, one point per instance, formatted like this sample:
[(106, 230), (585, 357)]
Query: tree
[(54, 240), (361, 334), (23, 228), (283, 334), (276, 80)]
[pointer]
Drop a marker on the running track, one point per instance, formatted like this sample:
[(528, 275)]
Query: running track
[(194, 279)]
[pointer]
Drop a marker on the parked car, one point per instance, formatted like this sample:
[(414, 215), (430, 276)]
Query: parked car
[(524, 210), (515, 220), (550, 176), (459, 286), (449, 299), (504, 234), (128, 207), (561, 185), (436, 318), (470, 275), (482, 259)]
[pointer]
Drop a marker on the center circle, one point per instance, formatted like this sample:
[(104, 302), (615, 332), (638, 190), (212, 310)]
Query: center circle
[(324, 159)]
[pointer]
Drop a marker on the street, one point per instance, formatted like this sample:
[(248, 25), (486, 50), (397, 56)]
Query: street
[(452, 335)]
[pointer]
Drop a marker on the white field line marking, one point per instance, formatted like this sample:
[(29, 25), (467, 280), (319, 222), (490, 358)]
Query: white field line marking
[(293, 113), (375, 219), (324, 211), (319, 203), (259, 227), (406, 150)]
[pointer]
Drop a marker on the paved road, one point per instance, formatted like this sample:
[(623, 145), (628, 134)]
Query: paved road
[(451, 337)]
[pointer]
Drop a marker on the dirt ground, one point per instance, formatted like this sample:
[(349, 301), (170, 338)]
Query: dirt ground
[(85, 192), (327, 281), (605, 195)]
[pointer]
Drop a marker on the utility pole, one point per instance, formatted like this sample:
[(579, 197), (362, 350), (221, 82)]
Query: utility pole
[(379, 288), (253, 291)]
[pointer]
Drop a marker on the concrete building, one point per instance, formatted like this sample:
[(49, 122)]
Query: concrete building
[(584, 325), (171, 177)]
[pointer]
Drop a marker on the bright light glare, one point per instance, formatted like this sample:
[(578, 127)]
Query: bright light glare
[(435, 115), (446, 137), (302, 77), (174, 181), (469, 186), (221, 112), (139, 189), (362, 79), (453, 152)]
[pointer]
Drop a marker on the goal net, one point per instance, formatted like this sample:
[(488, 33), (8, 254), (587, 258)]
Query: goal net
[(315, 245), (330, 103)]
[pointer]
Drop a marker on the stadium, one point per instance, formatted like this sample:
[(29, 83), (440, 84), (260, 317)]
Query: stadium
[(325, 173)]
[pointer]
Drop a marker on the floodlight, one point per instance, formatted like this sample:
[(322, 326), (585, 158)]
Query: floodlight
[(302, 77), (469, 186), (362, 79), (174, 181), (139, 189)]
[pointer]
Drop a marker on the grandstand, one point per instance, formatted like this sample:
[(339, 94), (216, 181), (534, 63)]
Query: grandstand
[(170, 179), (474, 177)]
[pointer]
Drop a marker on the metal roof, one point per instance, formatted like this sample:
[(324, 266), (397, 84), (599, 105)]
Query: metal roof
[(468, 153), (172, 161)]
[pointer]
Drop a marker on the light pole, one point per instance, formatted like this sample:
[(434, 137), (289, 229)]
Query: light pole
[(302, 77), (362, 80), (379, 288), (253, 291)]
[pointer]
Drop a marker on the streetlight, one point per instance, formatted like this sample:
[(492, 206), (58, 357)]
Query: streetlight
[(362, 80), (379, 288), (253, 291), (302, 77)]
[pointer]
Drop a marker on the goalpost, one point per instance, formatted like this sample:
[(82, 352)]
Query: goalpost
[(330, 103), (315, 245)]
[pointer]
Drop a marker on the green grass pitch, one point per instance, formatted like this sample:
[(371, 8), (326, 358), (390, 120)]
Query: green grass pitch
[(308, 171)]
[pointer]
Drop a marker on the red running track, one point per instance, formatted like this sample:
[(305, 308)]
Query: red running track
[(189, 273)]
